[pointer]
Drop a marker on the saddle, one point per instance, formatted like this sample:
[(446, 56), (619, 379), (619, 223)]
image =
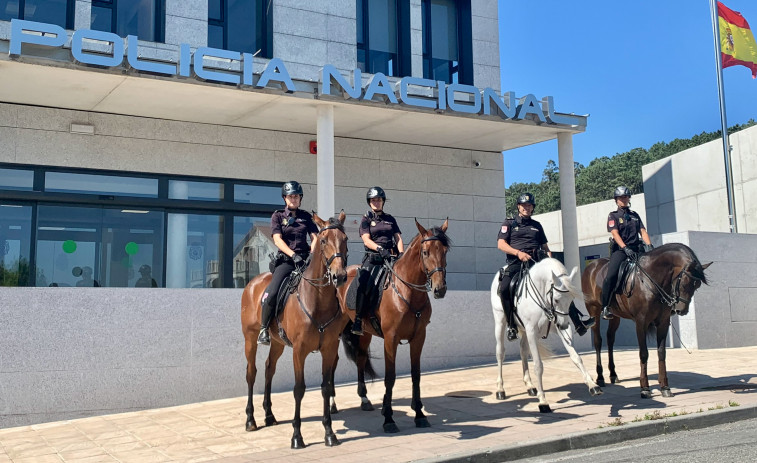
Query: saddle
[(516, 277), (373, 284), (625, 272), (288, 286)]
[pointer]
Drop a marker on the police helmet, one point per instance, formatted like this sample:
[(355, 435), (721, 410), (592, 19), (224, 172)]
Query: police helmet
[(291, 188), (622, 191), (375, 192), (526, 198)]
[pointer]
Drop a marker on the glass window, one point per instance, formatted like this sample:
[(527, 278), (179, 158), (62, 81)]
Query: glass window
[(200, 191), (58, 12), (241, 25), (383, 36), (252, 248), (444, 23), (16, 179), (93, 247), (15, 244), (63, 182), (194, 258), (143, 18), (258, 194)]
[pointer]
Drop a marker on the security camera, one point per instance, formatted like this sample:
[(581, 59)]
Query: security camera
[(477, 164)]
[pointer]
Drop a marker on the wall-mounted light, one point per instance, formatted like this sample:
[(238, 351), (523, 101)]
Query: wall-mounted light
[(84, 129)]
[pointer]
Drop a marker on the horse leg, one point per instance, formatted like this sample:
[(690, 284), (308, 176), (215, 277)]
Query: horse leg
[(597, 335), (360, 360), (328, 355), (567, 339), (641, 336), (524, 352), (538, 370), (250, 351), (390, 375), (662, 335), (611, 330), (333, 408), (298, 358), (416, 348), (499, 330), (270, 369)]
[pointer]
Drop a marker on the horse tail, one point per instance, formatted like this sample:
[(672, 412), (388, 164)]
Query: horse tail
[(544, 350), (352, 348)]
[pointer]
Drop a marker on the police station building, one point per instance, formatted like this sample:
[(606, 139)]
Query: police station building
[(143, 144)]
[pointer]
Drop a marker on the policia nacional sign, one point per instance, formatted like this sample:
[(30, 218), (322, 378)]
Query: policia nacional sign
[(86, 46)]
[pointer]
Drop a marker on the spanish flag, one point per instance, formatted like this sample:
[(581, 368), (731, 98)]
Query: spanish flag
[(737, 46)]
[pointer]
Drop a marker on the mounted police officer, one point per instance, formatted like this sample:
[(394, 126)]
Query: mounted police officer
[(625, 226), (522, 239), (382, 239), (290, 229)]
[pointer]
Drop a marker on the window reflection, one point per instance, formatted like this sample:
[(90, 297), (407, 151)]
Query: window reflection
[(198, 191), (241, 25), (15, 244), (379, 37), (143, 18), (442, 21), (16, 179), (57, 12), (258, 194), (100, 184), (195, 254), (252, 247)]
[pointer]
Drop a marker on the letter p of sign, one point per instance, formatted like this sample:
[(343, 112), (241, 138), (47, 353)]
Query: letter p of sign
[(37, 33)]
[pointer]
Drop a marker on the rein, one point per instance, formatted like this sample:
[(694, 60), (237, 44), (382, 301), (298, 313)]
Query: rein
[(547, 307), (669, 299)]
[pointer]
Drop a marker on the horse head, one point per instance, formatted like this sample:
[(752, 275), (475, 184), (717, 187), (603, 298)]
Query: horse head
[(434, 244), (332, 244), (563, 291), (686, 283)]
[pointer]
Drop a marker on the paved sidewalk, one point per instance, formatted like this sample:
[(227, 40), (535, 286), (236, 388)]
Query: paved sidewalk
[(466, 418)]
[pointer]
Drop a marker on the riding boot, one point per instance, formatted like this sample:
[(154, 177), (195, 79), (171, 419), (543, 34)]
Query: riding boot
[(606, 314), (575, 316), (357, 325), (512, 328), (265, 319)]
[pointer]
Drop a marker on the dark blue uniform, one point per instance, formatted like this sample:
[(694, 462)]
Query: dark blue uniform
[(629, 225), (524, 234)]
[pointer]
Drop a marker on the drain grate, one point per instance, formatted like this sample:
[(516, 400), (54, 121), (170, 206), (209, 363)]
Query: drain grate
[(467, 394)]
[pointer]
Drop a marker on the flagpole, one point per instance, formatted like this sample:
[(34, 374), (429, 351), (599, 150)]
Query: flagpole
[(723, 123)]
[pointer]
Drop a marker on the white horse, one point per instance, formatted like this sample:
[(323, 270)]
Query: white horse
[(543, 300)]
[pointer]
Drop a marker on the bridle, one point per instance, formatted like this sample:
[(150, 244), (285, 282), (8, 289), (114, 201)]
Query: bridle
[(328, 278), (671, 299), (546, 302), (427, 286)]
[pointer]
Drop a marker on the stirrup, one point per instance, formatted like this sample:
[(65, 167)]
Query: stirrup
[(512, 333), (263, 338), (583, 326), (606, 314), (357, 327)]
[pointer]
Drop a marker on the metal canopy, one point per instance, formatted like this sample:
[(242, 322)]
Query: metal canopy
[(117, 91)]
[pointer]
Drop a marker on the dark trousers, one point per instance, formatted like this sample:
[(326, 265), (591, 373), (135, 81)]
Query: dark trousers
[(367, 293), (511, 270), (282, 270), (616, 259)]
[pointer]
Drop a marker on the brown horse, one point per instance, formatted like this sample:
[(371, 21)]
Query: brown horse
[(663, 285), (403, 314), (311, 321)]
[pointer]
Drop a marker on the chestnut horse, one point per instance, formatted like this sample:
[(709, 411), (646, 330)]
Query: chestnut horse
[(311, 321), (663, 285), (403, 314)]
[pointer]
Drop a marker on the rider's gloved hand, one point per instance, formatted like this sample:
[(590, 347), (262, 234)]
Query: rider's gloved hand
[(384, 253), (629, 252), (297, 259), (648, 247)]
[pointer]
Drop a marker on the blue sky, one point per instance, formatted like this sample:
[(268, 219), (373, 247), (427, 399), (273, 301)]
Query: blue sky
[(643, 70)]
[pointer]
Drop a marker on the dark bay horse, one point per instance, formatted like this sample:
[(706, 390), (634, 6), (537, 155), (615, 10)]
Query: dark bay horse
[(404, 312), (311, 321), (664, 284)]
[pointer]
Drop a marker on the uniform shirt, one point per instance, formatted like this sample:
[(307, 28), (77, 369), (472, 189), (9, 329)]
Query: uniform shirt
[(381, 227), (294, 227), (628, 223), (523, 234)]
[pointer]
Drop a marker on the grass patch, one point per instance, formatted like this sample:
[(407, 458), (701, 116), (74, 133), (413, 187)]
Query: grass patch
[(733, 403)]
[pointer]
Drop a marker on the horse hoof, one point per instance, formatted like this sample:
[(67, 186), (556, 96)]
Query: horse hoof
[(366, 407), (333, 410), (422, 423), (596, 391), (250, 426), (391, 428), (614, 379), (666, 392), (331, 441), (646, 394), (298, 443), (601, 382), (500, 395), (270, 420), (544, 408), (532, 392)]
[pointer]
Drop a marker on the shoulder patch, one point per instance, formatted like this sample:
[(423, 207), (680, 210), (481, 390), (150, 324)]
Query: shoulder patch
[(611, 223), (504, 229)]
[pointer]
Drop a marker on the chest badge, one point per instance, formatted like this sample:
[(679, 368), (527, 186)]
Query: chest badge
[(373, 223), (620, 220)]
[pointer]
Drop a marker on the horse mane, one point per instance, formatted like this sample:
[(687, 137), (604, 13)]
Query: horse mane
[(695, 266), (334, 222), (437, 232)]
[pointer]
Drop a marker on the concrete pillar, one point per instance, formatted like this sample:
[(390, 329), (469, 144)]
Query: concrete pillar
[(568, 200), (178, 226), (325, 161)]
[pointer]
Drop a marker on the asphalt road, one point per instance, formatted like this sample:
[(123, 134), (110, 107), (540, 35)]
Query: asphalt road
[(732, 442)]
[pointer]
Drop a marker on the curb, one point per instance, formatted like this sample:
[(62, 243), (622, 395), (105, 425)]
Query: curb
[(599, 437)]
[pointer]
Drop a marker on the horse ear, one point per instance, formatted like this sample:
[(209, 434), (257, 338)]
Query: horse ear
[(573, 274), (445, 224), (556, 280), (420, 228), (704, 267), (318, 221), (342, 216)]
